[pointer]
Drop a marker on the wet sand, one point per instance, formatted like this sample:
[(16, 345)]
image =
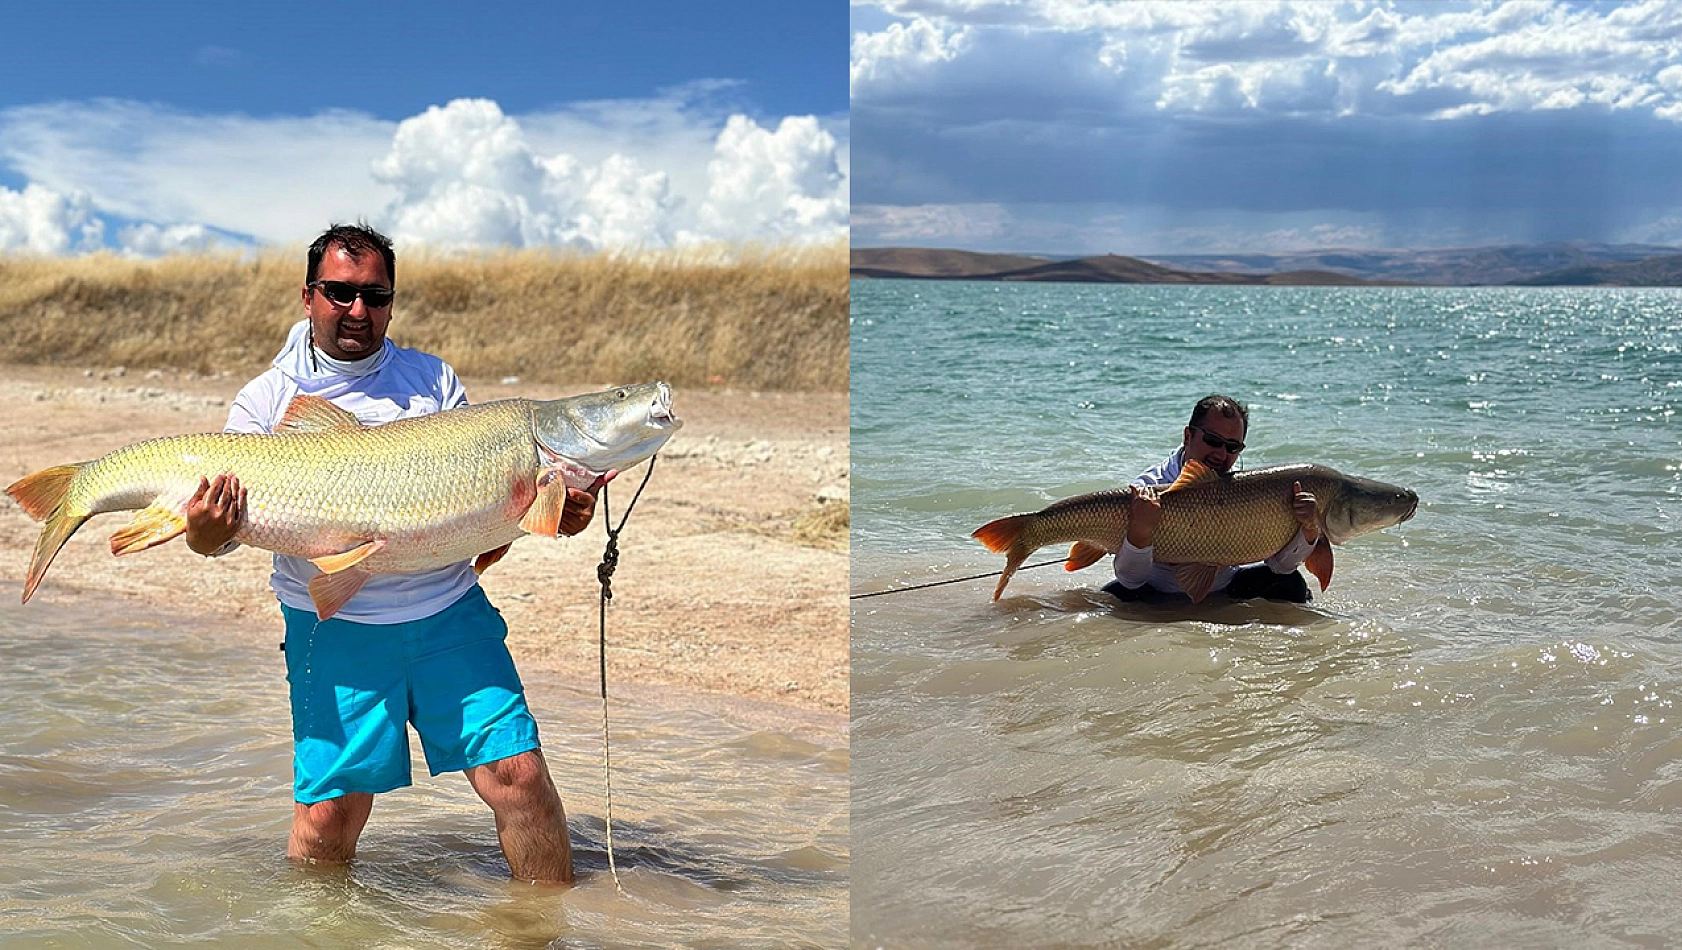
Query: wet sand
[(715, 605)]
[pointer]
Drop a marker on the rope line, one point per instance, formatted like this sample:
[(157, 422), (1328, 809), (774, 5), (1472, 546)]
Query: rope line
[(955, 580), (604, 575)]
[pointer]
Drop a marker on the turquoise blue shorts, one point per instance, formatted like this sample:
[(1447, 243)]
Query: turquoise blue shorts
[(357, 686)]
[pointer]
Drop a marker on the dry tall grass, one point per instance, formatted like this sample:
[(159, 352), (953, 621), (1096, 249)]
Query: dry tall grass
[(770, 318)]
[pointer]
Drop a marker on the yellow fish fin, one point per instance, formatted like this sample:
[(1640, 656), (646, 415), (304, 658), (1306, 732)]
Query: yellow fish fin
[(41, 493), (1196, 580), (335, 563), (315, 414), (1319, 562), (1194, 473), (331, 592), (544, 516), (1084, 554), (54, 533), (151, 527), (484, 561)]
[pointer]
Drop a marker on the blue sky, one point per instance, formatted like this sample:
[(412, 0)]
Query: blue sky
[(591, 125), (1158, 128)]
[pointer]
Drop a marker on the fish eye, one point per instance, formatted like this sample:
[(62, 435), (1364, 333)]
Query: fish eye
[(622, 394)]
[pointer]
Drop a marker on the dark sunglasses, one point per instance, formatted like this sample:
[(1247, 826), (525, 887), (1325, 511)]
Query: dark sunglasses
[(344, 294), (1216, 442)]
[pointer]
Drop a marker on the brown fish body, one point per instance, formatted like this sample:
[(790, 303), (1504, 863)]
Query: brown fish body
[(1208, 519)]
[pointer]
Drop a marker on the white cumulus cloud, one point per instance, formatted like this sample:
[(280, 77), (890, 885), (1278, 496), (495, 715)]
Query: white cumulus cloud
[(594, 175), (42, 221), (782, 185)]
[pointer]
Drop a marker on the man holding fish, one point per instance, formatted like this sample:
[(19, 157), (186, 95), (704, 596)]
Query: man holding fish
[(1213, 437), (426, 648)]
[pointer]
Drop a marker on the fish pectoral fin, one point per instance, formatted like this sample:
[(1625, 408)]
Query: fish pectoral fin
[(483, 562), (1194, 473), (544, 516), (331, 592), (314, 414), (1319, 562), (151, 527), (335, 563), (1196, 579), (1084, 554)]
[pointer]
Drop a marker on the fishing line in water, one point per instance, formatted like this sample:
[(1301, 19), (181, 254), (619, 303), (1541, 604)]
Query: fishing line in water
[(604, 575), (955, 580)]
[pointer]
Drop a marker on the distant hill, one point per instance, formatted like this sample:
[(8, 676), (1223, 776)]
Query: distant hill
[(934, 262), (1501, 264), (946, 264), (1653, 272)]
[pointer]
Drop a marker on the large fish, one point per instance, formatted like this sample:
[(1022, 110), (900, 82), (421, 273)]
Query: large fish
[(357, 501), (1209, 520)]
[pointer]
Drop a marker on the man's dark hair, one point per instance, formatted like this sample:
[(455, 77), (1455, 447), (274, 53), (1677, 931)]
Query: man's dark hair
[(356, 240), (1224, 406)]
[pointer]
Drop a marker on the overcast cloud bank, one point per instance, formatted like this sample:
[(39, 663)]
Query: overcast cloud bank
[(149, 180), (1165, 126)]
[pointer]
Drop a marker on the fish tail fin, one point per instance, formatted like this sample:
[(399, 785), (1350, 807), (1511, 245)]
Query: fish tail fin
[(60, 526), (1004, 536), (42, 496), (1013, 560), (1001, 534)]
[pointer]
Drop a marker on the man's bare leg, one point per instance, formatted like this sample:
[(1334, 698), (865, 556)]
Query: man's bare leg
[(530, 822), (326, 831)]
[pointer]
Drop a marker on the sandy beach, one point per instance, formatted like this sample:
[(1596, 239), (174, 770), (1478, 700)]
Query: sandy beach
[(715, 603)]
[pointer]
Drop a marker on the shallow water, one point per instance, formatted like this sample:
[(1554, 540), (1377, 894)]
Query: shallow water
[(145, 787), (1470, 739)]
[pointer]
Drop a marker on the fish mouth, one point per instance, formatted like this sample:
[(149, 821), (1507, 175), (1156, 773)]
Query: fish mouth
[(660, 410), (1413, 506)]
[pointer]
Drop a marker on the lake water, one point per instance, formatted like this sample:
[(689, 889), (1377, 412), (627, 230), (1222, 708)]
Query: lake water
[(1470, 739), (145, 797)]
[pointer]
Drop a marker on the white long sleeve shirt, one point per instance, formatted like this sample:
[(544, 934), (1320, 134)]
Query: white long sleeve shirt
[(396, 383), (1136, 567)]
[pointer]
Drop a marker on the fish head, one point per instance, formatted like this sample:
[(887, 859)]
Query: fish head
[(1356, 506), (606, 431)]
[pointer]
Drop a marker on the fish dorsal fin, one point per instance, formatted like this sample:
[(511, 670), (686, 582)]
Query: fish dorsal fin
[(1194, 473), (314, 414)]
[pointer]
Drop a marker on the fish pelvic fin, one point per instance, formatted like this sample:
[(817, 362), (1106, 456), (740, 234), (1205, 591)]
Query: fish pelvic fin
[(1196, 580), (307, 413), (60, 526), (483, 562), (330, 592), (1194, 473), (336, 563), (1084, 554), (152, 526), (1004, 536), (41, 494), (1319, 562)]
